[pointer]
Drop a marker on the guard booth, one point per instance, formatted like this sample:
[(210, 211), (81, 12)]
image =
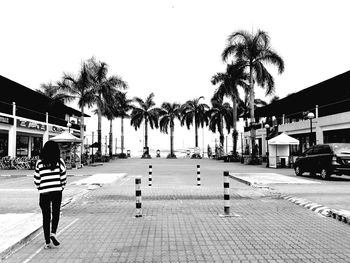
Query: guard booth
[(279, 150)]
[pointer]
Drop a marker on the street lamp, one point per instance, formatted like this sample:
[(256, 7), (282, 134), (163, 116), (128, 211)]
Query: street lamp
[(310, 116), (267, 127)]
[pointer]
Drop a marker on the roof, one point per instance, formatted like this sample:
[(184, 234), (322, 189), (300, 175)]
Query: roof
[(283, 139), (30, 103), (332, 96)]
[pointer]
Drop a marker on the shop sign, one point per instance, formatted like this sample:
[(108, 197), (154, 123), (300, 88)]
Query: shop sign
[(31, 125), (6, 120), (56, 129)]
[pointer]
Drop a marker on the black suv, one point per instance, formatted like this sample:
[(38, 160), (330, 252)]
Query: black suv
[(325, 159)]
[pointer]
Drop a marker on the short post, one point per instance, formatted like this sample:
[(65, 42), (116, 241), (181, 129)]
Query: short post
[(198, 175), (150, 175), (226, 193), (138, 196)]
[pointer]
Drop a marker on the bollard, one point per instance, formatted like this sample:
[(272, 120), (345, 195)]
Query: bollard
[(227, 197), (226, 193), (138, 197), (198, 175), (150, 176)]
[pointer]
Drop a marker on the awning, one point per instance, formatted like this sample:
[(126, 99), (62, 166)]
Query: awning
[(66, 137), (283, 139)]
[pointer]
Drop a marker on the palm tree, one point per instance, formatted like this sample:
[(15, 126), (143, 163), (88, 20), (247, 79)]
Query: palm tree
[(194, 111), (229, 82), (169, 112), (253, 52), (218, 114), (79, 87), (149, 114), (103, 87), (53, 91), (123, 107)]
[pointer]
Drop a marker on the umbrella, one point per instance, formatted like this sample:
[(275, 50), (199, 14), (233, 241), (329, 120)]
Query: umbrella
[(66, 137)]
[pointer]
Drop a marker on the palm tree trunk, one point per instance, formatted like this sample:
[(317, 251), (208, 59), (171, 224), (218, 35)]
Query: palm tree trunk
[(196, 134), (82, 132), (221, 132), (146, 137), (99, 132), (234, 125), (172, 155), (110, 137), (122, 135), (251, 106)]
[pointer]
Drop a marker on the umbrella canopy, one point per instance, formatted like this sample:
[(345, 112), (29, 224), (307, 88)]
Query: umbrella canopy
[(283, 139), (66, 137)]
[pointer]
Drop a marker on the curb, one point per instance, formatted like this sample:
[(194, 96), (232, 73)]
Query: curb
[(340, 215)]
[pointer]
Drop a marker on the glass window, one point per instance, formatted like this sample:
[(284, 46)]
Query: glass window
[(22, 145), (3, 145), (37, 144)]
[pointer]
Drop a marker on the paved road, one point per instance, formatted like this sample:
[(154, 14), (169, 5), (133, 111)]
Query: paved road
[(181, 221)]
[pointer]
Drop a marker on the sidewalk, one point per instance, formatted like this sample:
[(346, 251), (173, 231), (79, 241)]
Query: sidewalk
[(181, 221), (20, 216)]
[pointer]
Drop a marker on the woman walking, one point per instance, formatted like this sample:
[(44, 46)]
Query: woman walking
[(50, 179)]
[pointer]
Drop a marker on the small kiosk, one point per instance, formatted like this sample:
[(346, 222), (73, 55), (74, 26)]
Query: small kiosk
[(70, 150), (279, 150)]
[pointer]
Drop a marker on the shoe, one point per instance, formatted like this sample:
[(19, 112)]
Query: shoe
[(48, 246), (54, 240)]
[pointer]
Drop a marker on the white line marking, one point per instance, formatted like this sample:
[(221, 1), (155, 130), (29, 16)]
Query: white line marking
[(38, 251)]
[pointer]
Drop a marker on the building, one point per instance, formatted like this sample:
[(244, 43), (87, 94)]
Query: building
[(329, 103), (28, 119)]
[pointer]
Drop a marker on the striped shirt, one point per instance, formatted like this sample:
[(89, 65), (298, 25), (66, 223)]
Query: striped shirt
[(47, 180)]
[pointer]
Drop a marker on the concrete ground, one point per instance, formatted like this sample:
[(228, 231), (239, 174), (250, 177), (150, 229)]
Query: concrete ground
[(181, 221)]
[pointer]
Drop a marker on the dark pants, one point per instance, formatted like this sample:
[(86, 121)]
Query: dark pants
[(45, 201)]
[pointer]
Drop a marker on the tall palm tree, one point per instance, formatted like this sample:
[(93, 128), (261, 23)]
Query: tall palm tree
[(124, 105), (220, 115), (229, 82), (194, 112), (53, 91), (169, 112), (103, 87), (79, 87), (149, 114), (253, 51)]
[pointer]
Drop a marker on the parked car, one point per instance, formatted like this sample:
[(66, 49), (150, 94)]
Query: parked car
[(324, 159)]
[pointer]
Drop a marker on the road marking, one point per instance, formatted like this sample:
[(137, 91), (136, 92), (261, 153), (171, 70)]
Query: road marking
[(38, 251)]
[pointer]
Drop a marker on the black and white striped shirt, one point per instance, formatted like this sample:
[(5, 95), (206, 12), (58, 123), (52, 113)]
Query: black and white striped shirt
[(47, 180)]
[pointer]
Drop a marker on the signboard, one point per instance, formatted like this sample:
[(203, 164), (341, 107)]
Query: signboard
[(56, 129), (6, 120), (31, 125)]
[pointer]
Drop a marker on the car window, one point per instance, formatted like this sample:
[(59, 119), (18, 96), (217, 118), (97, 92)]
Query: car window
[(317, 150), (308, 151), (326, 149)]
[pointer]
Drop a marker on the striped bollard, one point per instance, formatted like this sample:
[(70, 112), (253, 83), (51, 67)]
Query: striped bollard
[(198, 175), (138, 196), (227, 197), (150, 175), (226, 193)]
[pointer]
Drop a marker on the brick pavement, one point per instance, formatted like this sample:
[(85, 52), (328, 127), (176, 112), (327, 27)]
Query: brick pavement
[(181, 224)]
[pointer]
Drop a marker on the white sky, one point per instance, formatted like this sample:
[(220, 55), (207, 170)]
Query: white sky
[(169, 47)]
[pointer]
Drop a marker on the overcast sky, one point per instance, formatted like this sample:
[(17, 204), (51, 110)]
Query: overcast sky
[(169, 47)]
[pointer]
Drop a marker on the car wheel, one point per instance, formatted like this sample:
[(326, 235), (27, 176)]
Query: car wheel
[(298, 171), (325, 174)]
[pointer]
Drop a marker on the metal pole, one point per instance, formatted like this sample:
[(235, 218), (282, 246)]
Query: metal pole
[(138, 196), (150, 175), (198, 175), (226, 193)]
